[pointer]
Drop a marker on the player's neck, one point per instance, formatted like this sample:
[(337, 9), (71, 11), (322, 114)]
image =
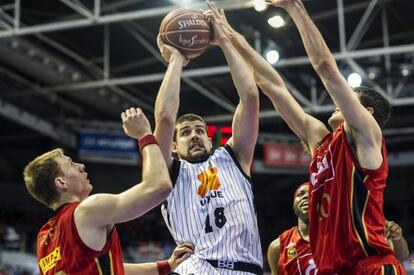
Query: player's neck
[(303, 230)]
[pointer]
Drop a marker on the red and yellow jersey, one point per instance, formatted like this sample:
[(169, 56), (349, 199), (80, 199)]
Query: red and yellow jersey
[(346, 219), (295, 254), (60, 250)]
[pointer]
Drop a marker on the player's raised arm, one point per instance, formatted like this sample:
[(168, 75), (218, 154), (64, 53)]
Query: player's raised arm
[(101, 210), (364, 128), (306, 127), (246, 118), (168, 99)]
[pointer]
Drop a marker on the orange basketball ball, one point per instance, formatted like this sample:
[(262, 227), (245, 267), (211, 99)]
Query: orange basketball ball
[(187, 30)]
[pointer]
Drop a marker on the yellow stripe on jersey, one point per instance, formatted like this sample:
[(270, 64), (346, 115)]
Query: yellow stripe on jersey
[(98, 265), (363, 213), (111, 263)]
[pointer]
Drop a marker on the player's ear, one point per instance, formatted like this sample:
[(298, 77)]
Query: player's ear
[(174, 147), (211, 142), (370, 110)]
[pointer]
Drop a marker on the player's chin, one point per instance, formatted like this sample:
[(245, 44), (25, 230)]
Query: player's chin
[(197, 155), (89, 188), (333, 123)]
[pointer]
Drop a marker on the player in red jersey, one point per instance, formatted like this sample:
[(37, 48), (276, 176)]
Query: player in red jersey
[(81, 237), (290, 253), (349, 165)]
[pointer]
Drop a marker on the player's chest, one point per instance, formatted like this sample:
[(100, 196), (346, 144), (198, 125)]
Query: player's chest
[(210, 185)]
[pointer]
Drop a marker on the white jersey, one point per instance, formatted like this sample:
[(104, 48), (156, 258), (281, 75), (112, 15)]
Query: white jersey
[(211, 206)]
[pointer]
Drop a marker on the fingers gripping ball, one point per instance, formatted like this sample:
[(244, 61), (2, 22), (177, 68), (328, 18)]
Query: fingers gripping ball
[(186, 30)]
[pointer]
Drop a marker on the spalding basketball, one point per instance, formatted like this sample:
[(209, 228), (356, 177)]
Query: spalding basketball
[(186, 30)]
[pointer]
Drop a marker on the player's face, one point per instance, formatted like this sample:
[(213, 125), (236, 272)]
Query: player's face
[(336, 119), (300, 203), (192, 143), (75, 176)]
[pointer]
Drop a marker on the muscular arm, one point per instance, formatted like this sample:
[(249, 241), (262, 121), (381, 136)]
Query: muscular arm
[(167, 103), (96, 213), (401, 251), (306, 127), (245, 124), (273, 254), (360, 124)]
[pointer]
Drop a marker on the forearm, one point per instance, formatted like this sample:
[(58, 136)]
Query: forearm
[(325, 65), (265, 75), (273, 86), (167, 102), (401, 251), (153, 189), (241, 73), (316, 48), (154, 168)]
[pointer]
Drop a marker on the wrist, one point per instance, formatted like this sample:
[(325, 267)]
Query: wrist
[(237, 38), (147, 140), (177, 57), (163, 267), (225, 42), (293, 6)]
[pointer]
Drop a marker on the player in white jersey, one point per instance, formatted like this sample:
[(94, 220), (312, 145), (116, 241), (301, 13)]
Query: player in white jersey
[(211, 204)]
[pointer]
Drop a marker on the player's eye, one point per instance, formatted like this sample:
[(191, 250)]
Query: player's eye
[(200, 131)]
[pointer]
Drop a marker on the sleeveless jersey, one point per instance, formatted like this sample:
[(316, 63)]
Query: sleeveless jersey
[(60, 250), (211, 206), (295, 254), (346, 219)]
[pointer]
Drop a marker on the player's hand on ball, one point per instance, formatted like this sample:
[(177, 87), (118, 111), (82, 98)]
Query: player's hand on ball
[(168, 52), (222, 29), (135, 123), (181, 253)]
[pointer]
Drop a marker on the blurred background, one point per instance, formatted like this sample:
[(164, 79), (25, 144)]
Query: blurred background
[(68, 68)]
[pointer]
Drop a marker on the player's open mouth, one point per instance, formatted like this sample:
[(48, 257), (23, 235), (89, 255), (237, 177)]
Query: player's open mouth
[(196, 146), (304, 205)]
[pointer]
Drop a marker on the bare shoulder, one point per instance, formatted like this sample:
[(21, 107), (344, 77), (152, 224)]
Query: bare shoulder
[(274, 245), (317, 131), (273, 254), (273, 250)]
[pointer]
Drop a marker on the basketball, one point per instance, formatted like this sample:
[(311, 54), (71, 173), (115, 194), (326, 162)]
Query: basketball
[(186, 30)]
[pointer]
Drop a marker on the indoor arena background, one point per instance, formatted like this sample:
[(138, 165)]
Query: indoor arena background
[(68, 69)]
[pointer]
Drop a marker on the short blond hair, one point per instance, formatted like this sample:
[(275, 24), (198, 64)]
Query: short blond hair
[(39, 176)]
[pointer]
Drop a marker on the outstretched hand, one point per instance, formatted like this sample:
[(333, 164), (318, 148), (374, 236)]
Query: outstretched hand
[(168, 52), (181, 253), (222, 29), (135, 123)]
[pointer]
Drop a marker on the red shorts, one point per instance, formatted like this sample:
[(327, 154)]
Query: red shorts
[(376, 265)]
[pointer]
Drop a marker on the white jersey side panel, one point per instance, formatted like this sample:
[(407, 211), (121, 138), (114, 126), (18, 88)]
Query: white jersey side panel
[(211, 206)]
